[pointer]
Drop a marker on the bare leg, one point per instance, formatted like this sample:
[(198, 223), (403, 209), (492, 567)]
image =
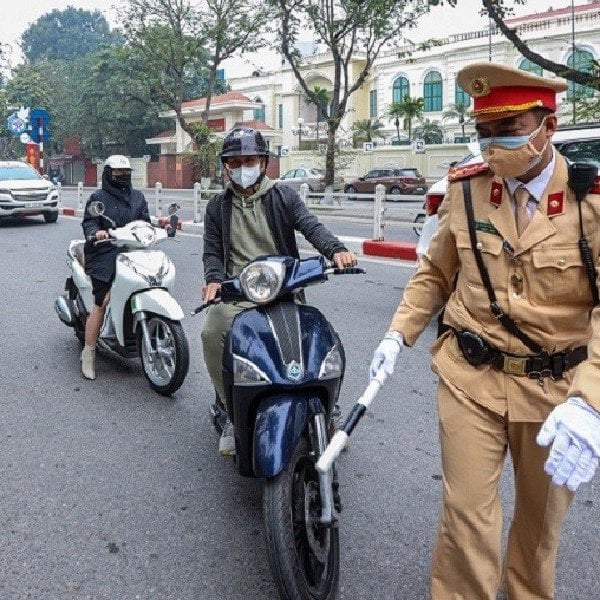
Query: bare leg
[(92, 330)]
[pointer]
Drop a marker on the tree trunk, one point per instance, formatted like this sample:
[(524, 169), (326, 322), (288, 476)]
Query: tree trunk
[(330, 155)]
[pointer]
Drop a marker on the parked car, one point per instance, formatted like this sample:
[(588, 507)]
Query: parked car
[(315, 178), (577, 145), (397, 181), (24, 192)]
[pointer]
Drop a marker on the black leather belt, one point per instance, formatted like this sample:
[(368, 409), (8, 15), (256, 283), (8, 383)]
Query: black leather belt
[(478, 352)]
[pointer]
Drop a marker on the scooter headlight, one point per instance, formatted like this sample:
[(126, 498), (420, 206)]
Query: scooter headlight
[(332, 364), (262, 280), (245, 372)]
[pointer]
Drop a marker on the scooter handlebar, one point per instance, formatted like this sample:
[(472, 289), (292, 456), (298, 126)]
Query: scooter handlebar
[(345, 271)]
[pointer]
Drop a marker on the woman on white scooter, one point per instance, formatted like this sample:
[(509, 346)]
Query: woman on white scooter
[(122, 204)]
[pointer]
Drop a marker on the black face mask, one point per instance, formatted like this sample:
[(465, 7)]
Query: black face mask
[(122, 181)]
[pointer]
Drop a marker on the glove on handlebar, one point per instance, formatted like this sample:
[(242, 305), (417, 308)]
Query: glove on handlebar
[(573, 429)]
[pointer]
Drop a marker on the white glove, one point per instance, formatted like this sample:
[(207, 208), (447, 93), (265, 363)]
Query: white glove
[(386, 354), (574, 429)]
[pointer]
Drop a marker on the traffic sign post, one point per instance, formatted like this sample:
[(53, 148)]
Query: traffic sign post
[(39, 120)]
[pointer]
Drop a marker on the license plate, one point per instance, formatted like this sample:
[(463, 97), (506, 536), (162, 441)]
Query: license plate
[(30, 204)]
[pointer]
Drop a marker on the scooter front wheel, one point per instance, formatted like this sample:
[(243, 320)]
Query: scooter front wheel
[(167, 360), (304, 554)]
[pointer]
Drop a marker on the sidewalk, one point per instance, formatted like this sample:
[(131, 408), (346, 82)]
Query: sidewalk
[(363, 246)]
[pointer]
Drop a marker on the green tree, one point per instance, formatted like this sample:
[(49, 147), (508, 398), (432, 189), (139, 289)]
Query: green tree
[(183, 42), (430, 131), (121, 118), (321, 99), (458, 111), (409, 110), (344, 29), (367, 129), (66, 35), (168, 38)]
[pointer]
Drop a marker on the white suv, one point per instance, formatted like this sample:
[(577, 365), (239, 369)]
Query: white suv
[(24, 192)]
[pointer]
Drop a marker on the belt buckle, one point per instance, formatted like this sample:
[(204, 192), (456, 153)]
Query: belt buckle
[(515, 365)]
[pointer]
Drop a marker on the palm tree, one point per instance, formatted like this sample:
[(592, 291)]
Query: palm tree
[(367, 129), (431, 131), (457, 111), (409, 109)]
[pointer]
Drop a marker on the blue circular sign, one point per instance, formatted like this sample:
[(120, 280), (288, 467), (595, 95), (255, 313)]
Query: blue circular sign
[(16, 125)]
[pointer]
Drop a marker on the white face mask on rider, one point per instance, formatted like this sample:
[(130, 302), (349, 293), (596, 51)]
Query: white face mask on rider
[(245, 176)]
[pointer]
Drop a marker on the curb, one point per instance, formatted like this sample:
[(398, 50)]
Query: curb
[(399, 250)]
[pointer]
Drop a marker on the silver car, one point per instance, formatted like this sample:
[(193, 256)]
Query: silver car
[(315, 178), (24, 192)]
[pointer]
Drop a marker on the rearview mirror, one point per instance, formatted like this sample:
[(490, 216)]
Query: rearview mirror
[(96, 209)]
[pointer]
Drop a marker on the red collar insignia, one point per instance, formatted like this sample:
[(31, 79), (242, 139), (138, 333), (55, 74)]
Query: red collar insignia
[(496, 193), (556, 203)]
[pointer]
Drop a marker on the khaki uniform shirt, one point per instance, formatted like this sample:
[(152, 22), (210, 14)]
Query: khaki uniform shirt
[(539, 280)]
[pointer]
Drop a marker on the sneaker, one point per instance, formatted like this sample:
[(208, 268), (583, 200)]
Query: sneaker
[(227, 440)]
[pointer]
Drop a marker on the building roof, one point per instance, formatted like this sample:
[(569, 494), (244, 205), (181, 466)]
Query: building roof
[(555, 12), (254, 124), (227, 98)]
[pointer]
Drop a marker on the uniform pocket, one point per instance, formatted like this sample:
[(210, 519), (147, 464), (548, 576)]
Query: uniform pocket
[(490, 248), (559, 274)]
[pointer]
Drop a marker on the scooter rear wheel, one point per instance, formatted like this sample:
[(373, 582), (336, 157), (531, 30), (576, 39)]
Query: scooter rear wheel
[(166, 366), (304, 554)]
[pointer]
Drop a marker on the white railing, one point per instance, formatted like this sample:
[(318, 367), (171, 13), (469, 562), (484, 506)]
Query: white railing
[(337, 202)]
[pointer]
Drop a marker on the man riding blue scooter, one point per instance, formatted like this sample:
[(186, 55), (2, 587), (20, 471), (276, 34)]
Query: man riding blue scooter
[(253, 217)]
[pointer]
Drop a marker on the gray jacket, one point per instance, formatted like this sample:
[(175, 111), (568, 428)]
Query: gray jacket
[(286, 214)]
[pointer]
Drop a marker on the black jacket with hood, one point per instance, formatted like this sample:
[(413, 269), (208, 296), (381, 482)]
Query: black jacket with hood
[(285, 213), (122, 206)]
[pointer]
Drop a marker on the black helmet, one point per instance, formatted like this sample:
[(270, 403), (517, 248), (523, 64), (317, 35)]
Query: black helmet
[(244, 141)]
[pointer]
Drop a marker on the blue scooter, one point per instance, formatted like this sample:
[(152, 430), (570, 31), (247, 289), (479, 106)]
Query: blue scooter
[(283, 366)]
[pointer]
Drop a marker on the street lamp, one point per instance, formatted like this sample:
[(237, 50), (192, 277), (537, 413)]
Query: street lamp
[(300, 123)]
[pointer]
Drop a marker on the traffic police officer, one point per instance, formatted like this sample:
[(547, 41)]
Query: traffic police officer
[(521, 351)]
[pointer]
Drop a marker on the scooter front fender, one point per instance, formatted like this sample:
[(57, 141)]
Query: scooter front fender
[(157, 301), (280, 421)]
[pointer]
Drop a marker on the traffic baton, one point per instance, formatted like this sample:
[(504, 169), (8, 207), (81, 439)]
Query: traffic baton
[(338, 441)]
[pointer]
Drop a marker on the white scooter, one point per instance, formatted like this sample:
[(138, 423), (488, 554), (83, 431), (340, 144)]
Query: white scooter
[(142, 319)]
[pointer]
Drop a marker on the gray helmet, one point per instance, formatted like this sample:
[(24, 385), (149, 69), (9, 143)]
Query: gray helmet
[(244, 141)]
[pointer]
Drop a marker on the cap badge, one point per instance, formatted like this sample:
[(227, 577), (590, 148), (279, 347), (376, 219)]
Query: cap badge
[(480, 86)]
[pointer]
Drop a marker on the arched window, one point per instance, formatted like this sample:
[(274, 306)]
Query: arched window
[(432, 92), (400, 89), (581, 60), (460, 96), (259, 113), (531, 67)]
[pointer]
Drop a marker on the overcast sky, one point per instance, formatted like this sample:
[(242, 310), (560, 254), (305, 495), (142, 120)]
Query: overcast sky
[(17, 15)]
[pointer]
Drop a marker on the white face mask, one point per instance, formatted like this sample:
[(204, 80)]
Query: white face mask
[(245, 176)]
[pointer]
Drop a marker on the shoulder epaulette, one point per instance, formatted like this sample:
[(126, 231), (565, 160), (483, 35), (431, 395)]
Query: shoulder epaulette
[(467, 171), (596, 187)]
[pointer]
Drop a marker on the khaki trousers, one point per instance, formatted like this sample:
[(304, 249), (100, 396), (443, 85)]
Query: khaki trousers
[(217, 323), (466, 562)]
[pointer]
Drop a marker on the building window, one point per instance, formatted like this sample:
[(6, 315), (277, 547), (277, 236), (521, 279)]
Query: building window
[(461, 97), (432, 92), (531, 67), (259, 113), (458, 139), (220, 75), (581, 60), (280, 116), (373, 104), (400, 90)]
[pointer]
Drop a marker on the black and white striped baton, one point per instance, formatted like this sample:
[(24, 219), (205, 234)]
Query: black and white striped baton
[(338, 441)]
